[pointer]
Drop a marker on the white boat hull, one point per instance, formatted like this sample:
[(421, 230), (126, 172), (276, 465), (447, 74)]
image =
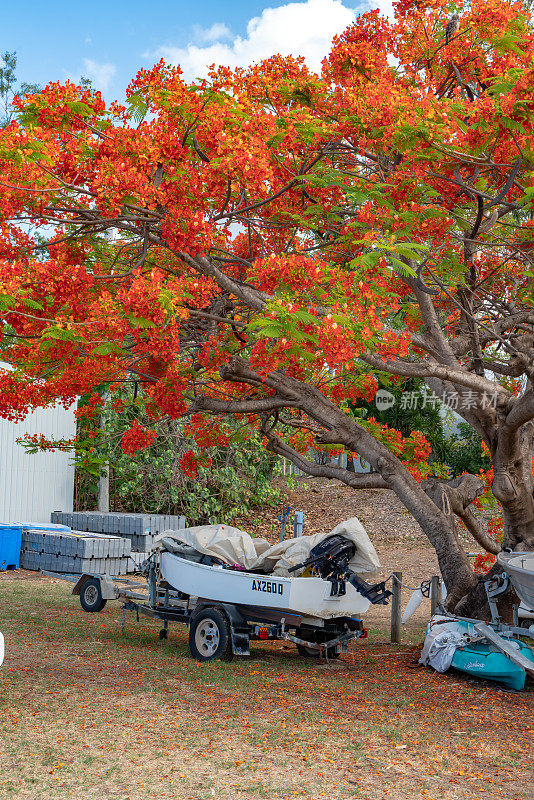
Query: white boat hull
[(308, 597), (520, 568)]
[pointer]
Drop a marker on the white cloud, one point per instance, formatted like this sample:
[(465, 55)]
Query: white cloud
[(213, 34), (304, 29), (100, 74)]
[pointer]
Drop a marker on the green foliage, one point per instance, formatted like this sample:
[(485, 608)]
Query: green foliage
[(137, 108), (238, 478), (459, 451), (9, 88), (407, 417), (463, 452)]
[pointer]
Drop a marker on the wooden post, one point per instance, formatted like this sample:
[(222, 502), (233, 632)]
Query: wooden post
[(435, 594), (396, 607), (283, 519), (298, 524)]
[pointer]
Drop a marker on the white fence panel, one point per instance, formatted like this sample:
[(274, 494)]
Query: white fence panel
[(32, 486)]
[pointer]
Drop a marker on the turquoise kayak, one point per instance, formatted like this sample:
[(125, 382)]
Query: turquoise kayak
[(485, 661), (454, 642)]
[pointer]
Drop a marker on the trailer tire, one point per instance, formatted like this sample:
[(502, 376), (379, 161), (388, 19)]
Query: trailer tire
[(91, 599), (209, 636), (311, 652)]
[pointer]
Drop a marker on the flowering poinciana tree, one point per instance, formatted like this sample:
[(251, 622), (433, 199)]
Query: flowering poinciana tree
[(266, 242)]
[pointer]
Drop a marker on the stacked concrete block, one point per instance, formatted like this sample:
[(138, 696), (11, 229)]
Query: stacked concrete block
[(140, 529), (75, 552), (76, 543)]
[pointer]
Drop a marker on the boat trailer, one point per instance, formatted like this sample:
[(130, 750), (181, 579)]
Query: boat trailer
[(221, 627)]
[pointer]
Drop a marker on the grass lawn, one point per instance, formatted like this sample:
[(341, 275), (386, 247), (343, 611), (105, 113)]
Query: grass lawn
[(89, 713)]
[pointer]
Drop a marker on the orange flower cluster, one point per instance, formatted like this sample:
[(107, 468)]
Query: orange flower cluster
[(136, 438), (268, 213)]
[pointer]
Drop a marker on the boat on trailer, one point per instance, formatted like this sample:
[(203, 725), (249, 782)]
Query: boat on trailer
[(226, 605), (520, 569), (309, 597)]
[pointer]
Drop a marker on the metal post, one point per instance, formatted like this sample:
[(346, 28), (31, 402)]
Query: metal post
[(103, 480), (103, 490), (435, 594), (298, 524), (396, 607)]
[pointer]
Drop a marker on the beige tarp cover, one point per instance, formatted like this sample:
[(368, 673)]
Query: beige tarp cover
[(234, 546)]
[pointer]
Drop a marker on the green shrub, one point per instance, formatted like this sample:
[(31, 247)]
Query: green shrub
[(463, 451), (460, 450), (238, 478)]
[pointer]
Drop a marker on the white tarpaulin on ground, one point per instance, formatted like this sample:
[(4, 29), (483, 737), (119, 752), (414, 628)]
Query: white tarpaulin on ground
[(444, 636), (234, 546), (440, 646)]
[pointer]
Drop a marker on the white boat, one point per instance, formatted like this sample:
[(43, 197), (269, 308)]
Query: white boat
[(520, 569), (310, 596)]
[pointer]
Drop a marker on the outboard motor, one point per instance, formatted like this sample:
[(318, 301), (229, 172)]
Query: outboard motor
[(330, 559)]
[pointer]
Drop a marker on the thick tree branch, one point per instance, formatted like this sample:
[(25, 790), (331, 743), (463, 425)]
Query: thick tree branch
[(367, 481), (522, 412), (456, 496), (435, 330), (213, 406), (412, 369)]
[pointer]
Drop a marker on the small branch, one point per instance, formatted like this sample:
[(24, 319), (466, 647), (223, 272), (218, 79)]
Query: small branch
[(478, 533)]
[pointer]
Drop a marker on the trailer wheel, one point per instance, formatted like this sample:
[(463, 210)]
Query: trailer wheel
[(311, 652), (91, 599), (209, 636)]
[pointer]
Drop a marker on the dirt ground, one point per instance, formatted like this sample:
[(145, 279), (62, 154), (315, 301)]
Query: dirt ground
[(88, 709)]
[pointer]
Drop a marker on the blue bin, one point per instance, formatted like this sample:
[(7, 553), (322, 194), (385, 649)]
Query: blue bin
[(10, 542)]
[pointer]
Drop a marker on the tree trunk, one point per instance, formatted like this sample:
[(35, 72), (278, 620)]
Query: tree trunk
[(475, 603), (434, 508), (513, 486)]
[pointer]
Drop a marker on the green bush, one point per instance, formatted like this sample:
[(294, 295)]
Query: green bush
[(238, 478), (459, 451), (463, 451), (406, 419)]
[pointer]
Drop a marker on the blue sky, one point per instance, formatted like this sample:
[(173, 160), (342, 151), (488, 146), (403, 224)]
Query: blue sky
[(110, 41)]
